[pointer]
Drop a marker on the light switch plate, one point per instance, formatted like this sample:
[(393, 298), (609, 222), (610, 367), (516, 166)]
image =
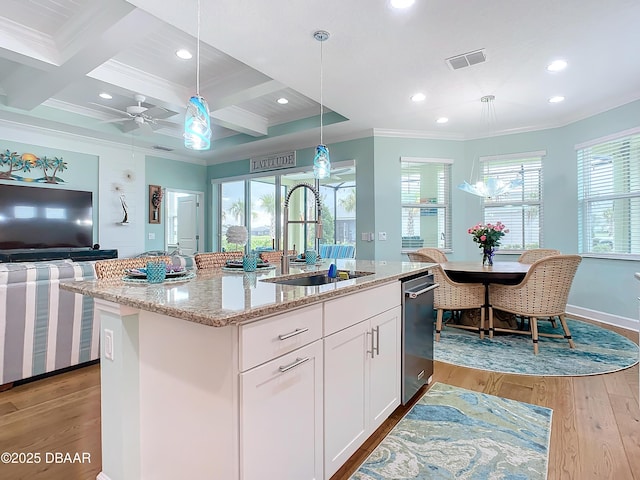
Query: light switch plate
[(382, 236)]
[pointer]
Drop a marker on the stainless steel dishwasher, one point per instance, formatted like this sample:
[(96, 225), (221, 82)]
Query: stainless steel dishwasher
[(417, 333)]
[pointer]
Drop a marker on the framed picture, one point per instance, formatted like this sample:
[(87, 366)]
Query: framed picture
[(155, 200)]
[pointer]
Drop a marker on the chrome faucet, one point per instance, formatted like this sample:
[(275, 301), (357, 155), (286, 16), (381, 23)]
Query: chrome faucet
[(285, 231)]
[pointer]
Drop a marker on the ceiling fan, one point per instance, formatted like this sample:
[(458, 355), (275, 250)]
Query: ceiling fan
[(139, 117)]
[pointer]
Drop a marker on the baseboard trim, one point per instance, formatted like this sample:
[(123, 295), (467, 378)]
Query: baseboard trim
[(602, 317), (102, 476)]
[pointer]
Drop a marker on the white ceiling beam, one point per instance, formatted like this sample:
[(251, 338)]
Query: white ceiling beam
[(124, 76), (240, 120), (238, 96), (26, 90)]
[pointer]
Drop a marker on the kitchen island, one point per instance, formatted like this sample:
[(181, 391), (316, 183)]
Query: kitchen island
[(232, 376)]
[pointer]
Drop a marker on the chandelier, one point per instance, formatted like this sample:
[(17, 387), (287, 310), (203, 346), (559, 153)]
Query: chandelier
[(490, 187)]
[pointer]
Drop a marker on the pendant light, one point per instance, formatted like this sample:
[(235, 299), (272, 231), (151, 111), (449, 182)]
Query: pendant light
[(321, 160), (490, 187), (197, 122)]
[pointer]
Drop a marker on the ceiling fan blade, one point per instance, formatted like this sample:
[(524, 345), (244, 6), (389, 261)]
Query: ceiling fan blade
[(130, 126), (111, 109), (144, 129), (116, 120), (166, 123), (159, 112)]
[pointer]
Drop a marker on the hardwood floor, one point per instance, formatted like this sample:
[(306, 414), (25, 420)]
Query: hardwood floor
[(595, 429)]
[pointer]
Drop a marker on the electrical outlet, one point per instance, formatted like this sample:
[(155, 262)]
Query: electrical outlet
[(382, 236), (108, 344), (152, 236)]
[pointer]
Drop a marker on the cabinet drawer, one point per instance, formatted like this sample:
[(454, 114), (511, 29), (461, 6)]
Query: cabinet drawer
[(346, 311), (269, 338)]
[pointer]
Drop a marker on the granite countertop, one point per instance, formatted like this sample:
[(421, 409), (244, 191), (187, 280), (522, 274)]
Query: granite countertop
[(218, 298)]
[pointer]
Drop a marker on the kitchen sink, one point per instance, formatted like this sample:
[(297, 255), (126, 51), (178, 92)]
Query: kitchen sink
[(314, 279)]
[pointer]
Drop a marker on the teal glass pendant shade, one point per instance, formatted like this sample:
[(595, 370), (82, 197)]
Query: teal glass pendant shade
[(197, 124), (321, 162)]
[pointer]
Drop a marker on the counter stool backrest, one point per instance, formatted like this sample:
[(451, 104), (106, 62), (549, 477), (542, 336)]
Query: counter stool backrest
[(205, 261), (117, 267), (274, 256)]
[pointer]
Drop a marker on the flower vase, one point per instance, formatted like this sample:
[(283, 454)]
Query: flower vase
[(487, 256)]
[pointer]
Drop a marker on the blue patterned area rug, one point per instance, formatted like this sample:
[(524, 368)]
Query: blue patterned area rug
[(453, 433), (598, 350)]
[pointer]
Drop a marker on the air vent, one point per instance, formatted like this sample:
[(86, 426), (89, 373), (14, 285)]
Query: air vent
[(164, 149), (467, 59)]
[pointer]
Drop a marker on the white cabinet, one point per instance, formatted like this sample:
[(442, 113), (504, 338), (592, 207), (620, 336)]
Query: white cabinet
[(361, 383), (281, 400)]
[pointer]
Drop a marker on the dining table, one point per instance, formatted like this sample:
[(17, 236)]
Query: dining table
[(505, 273)]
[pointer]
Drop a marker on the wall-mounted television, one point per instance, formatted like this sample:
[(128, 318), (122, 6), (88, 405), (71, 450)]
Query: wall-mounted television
[(40, 217)]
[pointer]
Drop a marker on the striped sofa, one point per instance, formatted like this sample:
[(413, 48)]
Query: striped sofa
[(43, 328)]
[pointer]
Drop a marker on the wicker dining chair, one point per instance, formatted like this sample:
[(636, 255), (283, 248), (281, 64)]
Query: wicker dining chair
[(117, 267), (207, 261), (438, 255), (456, 296), (531, 256), (542, 293)]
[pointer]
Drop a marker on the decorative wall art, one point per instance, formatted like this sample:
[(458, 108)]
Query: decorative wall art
[(155, 199), (15, 163)]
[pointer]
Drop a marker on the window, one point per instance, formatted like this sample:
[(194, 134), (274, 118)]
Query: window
[(232, 211), (609, 195), (257, 203), (520, 209), (426, 203)]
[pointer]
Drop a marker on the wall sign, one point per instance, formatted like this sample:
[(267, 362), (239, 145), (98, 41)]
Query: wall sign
[(277, 161)]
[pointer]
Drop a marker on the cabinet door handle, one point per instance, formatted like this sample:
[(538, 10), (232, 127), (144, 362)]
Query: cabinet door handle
[(377, 347), (298, 361), (372, 351), (297, 331)]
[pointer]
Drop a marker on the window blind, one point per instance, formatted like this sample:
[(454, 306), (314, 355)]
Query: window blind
[(426, 202), (609, 196), (520, 209)]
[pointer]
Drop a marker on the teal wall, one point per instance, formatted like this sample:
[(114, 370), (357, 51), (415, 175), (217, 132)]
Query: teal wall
[(81, 172), (360, 150), (601, 285), (388, 152), (174, 175)]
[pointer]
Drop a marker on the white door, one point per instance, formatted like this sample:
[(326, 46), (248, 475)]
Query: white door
[(188, 224), (281, 417)]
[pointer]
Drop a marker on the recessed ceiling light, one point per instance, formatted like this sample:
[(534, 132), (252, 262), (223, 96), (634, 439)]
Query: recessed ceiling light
[(556, 99), (442, 120), (105, 95), (557, 65), (282, 101), (184, 54), (402, 3), (418, 97)]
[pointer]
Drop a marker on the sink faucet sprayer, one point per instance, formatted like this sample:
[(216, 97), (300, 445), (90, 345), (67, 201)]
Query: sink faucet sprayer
[(285, 230)]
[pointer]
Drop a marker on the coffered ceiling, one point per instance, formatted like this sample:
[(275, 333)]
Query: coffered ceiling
[(56, 56)]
